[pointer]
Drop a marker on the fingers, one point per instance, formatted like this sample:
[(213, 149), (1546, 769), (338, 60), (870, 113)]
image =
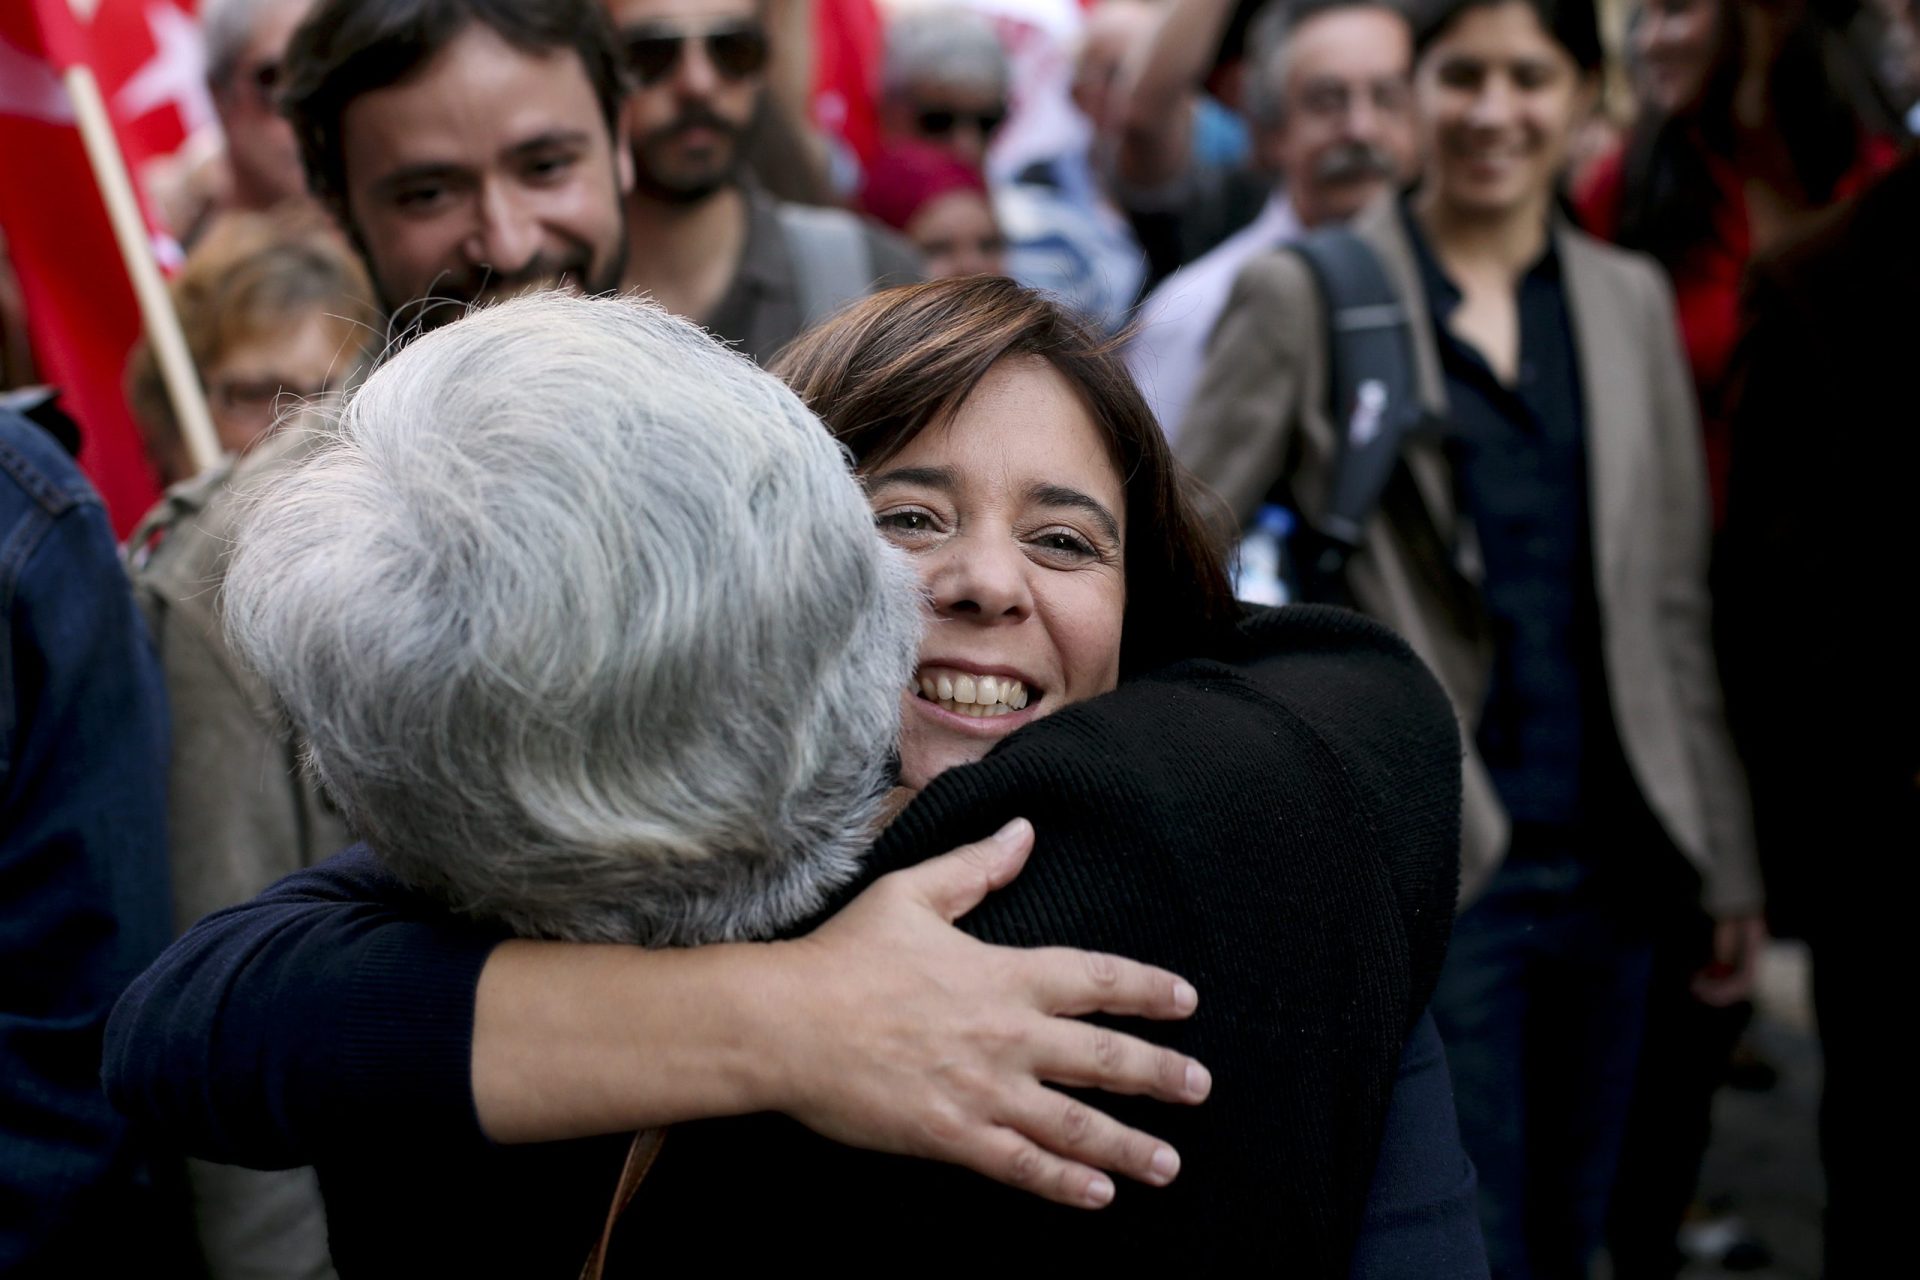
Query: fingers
[(956, 882), (1083, 1056), (1072, 983), (1011, 1157)]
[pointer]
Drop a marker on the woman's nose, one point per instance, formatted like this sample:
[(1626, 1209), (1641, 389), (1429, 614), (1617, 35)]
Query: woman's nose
[(983, 579)]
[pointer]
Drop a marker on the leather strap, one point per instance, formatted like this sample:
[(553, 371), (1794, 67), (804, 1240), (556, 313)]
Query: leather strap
[(640, 1157)]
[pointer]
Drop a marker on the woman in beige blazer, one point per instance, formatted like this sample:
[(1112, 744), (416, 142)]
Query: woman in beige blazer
[(1546, 553)]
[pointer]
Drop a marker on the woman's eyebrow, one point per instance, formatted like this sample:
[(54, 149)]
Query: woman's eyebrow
[(941, 478), (1058, 495)]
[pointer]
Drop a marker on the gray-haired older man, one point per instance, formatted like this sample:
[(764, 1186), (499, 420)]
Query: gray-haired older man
[(1330, 91)]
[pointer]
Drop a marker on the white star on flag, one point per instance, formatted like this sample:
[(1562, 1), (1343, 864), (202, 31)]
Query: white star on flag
[(176, 73)]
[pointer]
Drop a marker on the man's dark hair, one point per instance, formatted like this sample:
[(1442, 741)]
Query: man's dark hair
[(346, 48)]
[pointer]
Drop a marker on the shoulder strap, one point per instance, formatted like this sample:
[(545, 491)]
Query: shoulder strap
[(1375, 393), (641, 1154), (831, 262)]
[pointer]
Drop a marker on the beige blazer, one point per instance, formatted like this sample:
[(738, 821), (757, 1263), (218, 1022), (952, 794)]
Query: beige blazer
[(1261, 414)]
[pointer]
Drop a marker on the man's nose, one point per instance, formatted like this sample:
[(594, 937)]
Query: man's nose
[(694, 75), (507, 237)]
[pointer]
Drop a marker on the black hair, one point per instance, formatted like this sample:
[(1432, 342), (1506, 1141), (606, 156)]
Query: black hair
[(347, 48), (1571, 23), (1668, 193)]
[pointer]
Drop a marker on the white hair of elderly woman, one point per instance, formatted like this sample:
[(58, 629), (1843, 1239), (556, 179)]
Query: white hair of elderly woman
[(586, 625)]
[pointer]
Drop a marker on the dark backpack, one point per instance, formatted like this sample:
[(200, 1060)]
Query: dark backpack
[(1374, 395)]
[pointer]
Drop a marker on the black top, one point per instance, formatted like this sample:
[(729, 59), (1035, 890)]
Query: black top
[(1283, 832), (1820, 506), (1520, 464)]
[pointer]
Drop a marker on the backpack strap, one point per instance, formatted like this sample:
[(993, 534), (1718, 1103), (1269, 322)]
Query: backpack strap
[(832, 264), (1375, 396)]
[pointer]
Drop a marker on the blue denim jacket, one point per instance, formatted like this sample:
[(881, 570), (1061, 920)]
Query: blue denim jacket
[(83, 873)]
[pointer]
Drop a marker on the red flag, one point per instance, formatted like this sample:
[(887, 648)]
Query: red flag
[(81, 313)]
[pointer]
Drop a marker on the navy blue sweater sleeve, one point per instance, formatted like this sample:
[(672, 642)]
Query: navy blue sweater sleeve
[(83, 741), (1422, 1222), (333, 1011)]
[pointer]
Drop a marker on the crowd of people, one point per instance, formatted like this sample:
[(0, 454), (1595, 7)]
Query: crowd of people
[(713, 660)]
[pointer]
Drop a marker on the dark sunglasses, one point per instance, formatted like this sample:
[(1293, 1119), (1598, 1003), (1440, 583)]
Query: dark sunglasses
[(263, 82), (938, 124), (736, 50)]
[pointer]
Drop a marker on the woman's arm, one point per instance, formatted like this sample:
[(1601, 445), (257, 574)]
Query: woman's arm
[(1422, 1220), (337, 1010)]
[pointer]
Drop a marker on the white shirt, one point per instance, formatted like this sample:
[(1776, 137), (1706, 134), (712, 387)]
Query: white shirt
[(1169, 346)]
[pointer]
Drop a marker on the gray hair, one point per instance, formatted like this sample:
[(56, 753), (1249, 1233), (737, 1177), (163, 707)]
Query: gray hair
[(585, 622), (1270, 50), (225, 28), (953, 47)]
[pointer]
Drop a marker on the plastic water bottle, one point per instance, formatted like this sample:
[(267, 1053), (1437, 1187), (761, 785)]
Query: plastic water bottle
[(1260, 567)]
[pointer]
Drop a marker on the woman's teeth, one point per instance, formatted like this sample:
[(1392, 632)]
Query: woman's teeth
[(971, 695)]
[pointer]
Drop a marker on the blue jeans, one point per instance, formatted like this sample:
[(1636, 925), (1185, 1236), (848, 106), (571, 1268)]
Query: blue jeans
[(1541, 1005)]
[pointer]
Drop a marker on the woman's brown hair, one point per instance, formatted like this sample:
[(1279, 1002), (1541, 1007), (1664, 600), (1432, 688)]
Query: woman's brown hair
[(895, 363), (250, 275)]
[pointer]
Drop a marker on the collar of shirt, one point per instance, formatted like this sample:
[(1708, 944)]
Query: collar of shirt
[(1443, 295)]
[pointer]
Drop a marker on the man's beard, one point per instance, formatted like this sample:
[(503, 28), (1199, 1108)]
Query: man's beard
[(453, 294), (653, 170)]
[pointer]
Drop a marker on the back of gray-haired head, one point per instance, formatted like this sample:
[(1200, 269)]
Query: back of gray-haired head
[(952, 48), (586, 625)]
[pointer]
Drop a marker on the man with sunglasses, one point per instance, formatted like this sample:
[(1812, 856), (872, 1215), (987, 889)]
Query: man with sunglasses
[(258, 168), (947, 83), (708, 243)]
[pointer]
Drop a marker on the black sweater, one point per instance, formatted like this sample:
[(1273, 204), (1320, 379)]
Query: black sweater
[(1283, 832)]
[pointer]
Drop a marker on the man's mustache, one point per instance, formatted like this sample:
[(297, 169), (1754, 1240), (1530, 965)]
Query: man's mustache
[(695, 116), (1354, 162), (452, 296)]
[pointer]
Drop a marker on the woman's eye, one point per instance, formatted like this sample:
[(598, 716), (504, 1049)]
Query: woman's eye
[(904, 522), (1064, 542)]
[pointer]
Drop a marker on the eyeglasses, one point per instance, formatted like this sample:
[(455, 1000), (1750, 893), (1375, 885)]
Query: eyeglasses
[(938, 123), (736, 50), (263, 397)]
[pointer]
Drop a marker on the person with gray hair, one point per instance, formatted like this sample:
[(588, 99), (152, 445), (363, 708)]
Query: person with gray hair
[(1329, 91), (946, 82), (257, 167), (627, 673)]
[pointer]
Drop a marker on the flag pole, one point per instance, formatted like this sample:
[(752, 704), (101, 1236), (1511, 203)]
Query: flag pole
[(149, 290)]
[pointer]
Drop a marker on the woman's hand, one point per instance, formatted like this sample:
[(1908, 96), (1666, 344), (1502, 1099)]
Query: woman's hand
[(886, 1028), (906, 1035)]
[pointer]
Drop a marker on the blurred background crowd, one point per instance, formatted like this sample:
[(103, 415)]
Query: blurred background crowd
[(770, 161)]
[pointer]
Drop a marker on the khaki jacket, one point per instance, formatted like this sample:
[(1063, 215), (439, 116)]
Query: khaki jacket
[(240, 815), (1261, 415)]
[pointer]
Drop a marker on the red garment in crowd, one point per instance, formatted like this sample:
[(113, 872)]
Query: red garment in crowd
[(81, 314), (1707, 288), (849, 43)]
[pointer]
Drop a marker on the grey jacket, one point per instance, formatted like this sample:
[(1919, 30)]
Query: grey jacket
[(240, 815), (1261, 414)]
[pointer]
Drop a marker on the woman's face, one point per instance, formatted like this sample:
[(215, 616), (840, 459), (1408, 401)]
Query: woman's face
[(957, 236), (1015, 518), (1499, 100), (303, 358), (1675, 41)]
